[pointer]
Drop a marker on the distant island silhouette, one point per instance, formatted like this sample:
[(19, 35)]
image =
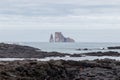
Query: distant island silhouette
[(59, 37)]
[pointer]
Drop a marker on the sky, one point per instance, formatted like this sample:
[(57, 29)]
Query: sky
[(83, 20)]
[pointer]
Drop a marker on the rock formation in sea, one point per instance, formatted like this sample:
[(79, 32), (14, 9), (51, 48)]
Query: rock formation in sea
[(51, 38), (59, 37)]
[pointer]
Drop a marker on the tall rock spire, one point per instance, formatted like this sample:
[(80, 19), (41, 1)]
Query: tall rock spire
[(51, 38)]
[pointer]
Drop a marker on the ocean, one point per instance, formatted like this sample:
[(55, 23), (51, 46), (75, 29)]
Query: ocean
[(71, 47), (68, 48)]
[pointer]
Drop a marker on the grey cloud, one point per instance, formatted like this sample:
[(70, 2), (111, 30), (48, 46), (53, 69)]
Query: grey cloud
[(50, 8), (29, 13)]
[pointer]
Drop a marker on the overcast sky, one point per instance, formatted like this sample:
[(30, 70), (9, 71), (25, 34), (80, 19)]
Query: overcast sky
[(29, 20)]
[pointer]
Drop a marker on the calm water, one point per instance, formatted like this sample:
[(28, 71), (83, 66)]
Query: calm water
[(70, 47), (67, 48)]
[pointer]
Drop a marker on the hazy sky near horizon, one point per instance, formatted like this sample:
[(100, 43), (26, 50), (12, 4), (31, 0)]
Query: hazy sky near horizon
[(29, 20)]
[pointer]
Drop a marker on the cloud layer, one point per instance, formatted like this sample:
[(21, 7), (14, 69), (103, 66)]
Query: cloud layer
[(63, 14)]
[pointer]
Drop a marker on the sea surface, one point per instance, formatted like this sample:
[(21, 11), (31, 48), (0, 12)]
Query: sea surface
[(71, 47), (68, 48)]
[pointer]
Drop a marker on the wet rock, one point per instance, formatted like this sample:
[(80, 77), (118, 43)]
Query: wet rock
[(109, 53), (116, 47), (84, 49), (60, 70), (75, 55)]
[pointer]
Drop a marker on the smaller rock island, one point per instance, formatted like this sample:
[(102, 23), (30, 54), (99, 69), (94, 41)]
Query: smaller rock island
[(59, 37)]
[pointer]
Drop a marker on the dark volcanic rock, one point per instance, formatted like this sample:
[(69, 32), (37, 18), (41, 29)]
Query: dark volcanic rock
[(75, 55), (108, 48), (116, 47), (18, 51), (85, 49), (109, 53), (60, 70)]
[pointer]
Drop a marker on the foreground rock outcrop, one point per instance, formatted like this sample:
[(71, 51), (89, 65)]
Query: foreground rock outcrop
[(60, 70)]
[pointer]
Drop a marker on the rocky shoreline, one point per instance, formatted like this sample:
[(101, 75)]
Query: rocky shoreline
[(105, 69)]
